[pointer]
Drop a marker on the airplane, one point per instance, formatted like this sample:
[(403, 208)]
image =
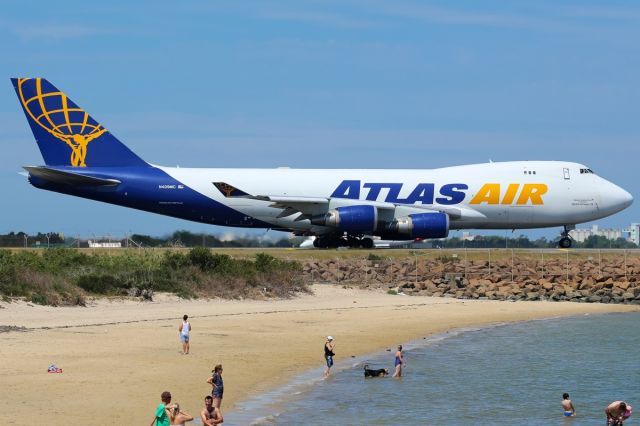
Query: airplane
[(341, 207)]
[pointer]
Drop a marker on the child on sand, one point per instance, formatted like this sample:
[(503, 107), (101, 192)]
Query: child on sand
[(162, 414)]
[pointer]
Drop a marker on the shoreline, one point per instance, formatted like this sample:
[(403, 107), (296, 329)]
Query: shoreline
[(268, 407), (246, 411), (124, 353)]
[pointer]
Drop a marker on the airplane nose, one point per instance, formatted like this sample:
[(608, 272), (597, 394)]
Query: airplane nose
[(615, 198)]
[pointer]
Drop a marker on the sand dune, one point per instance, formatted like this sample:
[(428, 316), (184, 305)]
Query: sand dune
[(118, 356)]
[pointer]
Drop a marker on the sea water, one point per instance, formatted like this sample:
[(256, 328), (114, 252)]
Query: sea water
[(500, 375)]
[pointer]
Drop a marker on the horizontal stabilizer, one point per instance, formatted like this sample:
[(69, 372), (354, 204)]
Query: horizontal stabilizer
[(69, 178)]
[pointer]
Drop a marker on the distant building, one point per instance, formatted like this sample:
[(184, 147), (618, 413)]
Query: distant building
[(634, 233), (467, 236), (96, 244), (581, 234)]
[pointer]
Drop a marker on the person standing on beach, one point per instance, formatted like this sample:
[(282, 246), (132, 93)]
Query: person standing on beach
[(163, 414), (329, 345), (218, 385), (617, 412), (567, 406), (210, 415), (184, 330), (399, 362)]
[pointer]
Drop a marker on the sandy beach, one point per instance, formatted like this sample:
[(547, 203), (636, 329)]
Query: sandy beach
[(118, 356)]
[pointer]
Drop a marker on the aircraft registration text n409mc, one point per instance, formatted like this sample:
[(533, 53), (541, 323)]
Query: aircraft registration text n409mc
[(338, 206)]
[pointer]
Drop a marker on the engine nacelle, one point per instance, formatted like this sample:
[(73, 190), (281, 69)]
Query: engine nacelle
[(422, 225), (358, 219)]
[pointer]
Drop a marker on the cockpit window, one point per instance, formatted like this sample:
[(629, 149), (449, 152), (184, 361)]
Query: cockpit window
[(583, 171)]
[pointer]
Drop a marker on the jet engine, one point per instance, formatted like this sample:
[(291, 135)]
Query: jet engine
[(356, 219), (422, 225)]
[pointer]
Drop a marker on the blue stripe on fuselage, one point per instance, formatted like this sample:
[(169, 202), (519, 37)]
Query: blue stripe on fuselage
[(151, 189)]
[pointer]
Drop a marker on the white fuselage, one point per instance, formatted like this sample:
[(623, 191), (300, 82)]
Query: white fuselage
[(508, 195)]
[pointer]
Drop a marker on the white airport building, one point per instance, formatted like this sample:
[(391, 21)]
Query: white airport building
[(630, 234)]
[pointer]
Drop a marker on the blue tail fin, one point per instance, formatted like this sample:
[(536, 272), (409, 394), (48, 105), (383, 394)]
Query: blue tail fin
[(66, 134)]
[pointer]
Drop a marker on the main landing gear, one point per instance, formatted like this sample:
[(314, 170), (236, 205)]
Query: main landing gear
[(565, 242), (335, 241)]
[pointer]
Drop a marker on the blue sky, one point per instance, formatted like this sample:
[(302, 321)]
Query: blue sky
[(327, 84)]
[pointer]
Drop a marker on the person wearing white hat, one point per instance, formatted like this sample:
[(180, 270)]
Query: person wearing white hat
[(328, 354)]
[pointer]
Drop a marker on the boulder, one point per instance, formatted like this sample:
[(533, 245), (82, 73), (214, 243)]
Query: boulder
[(533, 295), (628, 296), (546, 285), (624, 285)]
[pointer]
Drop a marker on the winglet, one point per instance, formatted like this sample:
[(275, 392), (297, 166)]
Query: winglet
[(229, 191)]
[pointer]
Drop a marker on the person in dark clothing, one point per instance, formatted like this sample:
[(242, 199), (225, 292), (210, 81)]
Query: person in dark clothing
[(218, 385), (329, 345)]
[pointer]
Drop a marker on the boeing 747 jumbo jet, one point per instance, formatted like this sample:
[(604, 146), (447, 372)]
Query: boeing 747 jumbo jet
[(340, 207)]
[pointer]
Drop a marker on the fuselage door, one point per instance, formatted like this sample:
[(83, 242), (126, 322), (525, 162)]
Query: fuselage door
[(565, 172)]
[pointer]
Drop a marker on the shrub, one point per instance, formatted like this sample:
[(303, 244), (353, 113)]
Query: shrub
[(374, 258), (58, 258), (175, 260), (202, 258), (39, 299), (264, 262), (61, 276), (101, 284)]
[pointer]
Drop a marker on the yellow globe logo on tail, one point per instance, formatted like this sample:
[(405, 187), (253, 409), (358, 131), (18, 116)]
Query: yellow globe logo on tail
[(59, 116)]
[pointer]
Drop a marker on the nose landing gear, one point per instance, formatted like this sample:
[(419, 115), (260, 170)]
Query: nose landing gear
[(566, 241)]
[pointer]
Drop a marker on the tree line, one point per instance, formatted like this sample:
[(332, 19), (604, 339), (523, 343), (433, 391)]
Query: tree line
[(183, 238)]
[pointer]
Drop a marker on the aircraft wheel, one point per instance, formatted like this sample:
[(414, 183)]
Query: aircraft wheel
[(367, 243), (565, 242)]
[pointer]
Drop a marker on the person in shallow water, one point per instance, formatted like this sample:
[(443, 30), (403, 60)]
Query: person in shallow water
[(567, 406), (179, 417), (617, 412), (210, 415), (329, 345), (399, 362)]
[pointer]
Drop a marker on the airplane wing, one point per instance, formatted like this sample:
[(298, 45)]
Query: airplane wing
[(309, 206)]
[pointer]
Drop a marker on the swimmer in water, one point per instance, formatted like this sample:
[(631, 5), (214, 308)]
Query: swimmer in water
[(567, 406), (617, 412)]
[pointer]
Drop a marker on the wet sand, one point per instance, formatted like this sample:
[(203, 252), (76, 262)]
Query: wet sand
[(118, 356)]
